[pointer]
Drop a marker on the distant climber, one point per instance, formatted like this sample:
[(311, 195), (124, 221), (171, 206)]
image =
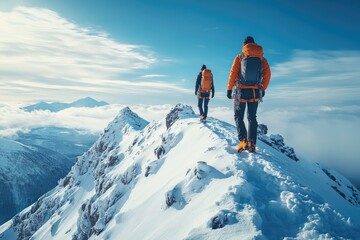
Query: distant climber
[(204, 85), (249, 77)]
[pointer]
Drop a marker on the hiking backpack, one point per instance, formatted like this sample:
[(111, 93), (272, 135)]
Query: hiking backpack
[(251, 71), (206, 80)]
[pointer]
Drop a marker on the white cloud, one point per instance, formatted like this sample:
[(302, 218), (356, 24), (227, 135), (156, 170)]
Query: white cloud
[(154, 76), (44, 55), (94, 120), (152, 112), (324, 134), (90, 119), (316, 78), (169, 60), (323, 63)]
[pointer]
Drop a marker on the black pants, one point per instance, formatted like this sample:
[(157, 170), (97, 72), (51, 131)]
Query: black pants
[(239, 110), (203, 99)]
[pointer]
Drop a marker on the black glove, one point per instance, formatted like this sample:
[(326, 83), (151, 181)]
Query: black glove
[(195, 93), (212, 95), (263, 93), (229, 93)]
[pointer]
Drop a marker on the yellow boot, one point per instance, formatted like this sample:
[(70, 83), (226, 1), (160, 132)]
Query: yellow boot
[(242, 145)]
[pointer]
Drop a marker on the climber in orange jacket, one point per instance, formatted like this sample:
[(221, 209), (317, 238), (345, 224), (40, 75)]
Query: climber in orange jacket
[(203, 86), (249, 78)]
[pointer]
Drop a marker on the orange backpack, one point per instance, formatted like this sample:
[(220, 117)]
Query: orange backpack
[(206, 80)]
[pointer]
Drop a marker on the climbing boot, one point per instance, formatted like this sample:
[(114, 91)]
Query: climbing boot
[(242, 145), (251, 147)]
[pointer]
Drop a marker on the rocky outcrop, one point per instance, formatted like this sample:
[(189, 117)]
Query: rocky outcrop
[(276, 141), (177, 112)]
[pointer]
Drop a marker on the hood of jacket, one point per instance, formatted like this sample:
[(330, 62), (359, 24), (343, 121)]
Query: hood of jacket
[(252, 50)]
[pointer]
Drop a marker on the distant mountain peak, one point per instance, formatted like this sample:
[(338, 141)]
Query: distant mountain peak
[(88, 102), (87, 99), (57, 106)]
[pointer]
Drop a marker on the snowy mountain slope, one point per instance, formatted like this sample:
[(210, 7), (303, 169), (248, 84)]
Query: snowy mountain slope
[(26, 173), (181, 179), (69, 142), (57, 106)]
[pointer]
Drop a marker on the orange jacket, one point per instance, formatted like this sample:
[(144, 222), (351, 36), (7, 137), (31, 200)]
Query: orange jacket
[(249, 50)]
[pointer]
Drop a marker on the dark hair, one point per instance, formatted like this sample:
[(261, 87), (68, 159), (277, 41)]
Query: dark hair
[(203, 67), (248, 39)]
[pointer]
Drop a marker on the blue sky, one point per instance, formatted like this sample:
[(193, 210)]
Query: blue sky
[(150, 52), (174, 38)]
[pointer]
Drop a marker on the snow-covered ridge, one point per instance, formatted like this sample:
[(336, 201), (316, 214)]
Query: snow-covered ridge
[(182, 179)]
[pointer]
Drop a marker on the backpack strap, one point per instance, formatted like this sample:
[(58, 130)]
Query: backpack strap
[(237, 83)]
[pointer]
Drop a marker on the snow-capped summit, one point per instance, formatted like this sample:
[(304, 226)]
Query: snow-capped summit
[(57, 106), (185, 180), (128, 117), (125, 123)]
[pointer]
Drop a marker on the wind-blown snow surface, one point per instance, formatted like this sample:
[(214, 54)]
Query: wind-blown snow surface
[(147, 181)]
